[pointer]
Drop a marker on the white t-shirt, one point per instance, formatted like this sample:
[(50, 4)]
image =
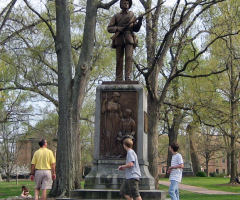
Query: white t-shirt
[(176, 174)]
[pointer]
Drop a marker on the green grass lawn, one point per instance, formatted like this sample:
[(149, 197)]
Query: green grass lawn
[(211, 183), (11, 189), (185, 195)]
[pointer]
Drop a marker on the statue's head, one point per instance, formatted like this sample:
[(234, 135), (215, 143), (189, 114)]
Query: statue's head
[(122, 1), (116, 94), (127, 112)]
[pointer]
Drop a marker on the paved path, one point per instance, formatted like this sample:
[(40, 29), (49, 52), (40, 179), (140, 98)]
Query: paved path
[(197, 189)]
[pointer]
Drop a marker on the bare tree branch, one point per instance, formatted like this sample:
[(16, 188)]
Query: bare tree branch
[(106, 5), (35, 89), (10, 6), (44, 20), (21, 30)]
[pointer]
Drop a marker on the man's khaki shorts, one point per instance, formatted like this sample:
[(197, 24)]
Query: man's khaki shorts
[(43, 179)]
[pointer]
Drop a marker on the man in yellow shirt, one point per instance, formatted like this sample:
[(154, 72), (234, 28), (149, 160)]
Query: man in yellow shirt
[(42, 163)]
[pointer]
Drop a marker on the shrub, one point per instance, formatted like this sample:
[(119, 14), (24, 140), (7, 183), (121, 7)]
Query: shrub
[(222, 175), (201, 174), (213, 174)]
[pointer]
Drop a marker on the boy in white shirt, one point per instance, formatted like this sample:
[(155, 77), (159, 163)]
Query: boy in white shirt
[(175, 171)]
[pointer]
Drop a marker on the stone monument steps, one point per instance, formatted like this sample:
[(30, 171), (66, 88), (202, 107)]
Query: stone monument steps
[(99, 194)]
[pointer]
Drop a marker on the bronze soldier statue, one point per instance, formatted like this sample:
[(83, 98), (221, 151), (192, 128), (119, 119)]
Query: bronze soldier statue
[(123, 24)]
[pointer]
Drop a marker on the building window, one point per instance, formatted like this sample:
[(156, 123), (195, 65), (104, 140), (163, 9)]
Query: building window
[(217, 170), (163, 170), (223, 171), (223, 160)]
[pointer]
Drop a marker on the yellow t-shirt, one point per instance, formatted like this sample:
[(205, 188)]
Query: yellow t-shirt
[(43, 158)]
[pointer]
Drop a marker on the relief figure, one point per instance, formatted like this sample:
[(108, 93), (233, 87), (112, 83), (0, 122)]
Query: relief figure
[(112, 118), (127, 130)]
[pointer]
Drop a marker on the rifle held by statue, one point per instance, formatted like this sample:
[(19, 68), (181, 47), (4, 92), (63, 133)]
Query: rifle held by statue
[(128, 25)]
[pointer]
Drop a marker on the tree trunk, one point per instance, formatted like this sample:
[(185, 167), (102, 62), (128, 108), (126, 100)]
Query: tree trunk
[(71, 95), (236, 163), (153, 140), (233, 160), (62, 185), (81, 80), (8, 177), (233, 119), (207, 171), (172, 137), (228, 163), (193, 149)]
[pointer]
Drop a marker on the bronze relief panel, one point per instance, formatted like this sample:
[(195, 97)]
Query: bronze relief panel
[(119, 113)]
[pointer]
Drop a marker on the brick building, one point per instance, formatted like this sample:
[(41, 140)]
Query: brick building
[(26, 148)]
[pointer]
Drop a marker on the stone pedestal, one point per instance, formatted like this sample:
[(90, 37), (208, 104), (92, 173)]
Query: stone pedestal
[(104, 173), (104, 177)]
